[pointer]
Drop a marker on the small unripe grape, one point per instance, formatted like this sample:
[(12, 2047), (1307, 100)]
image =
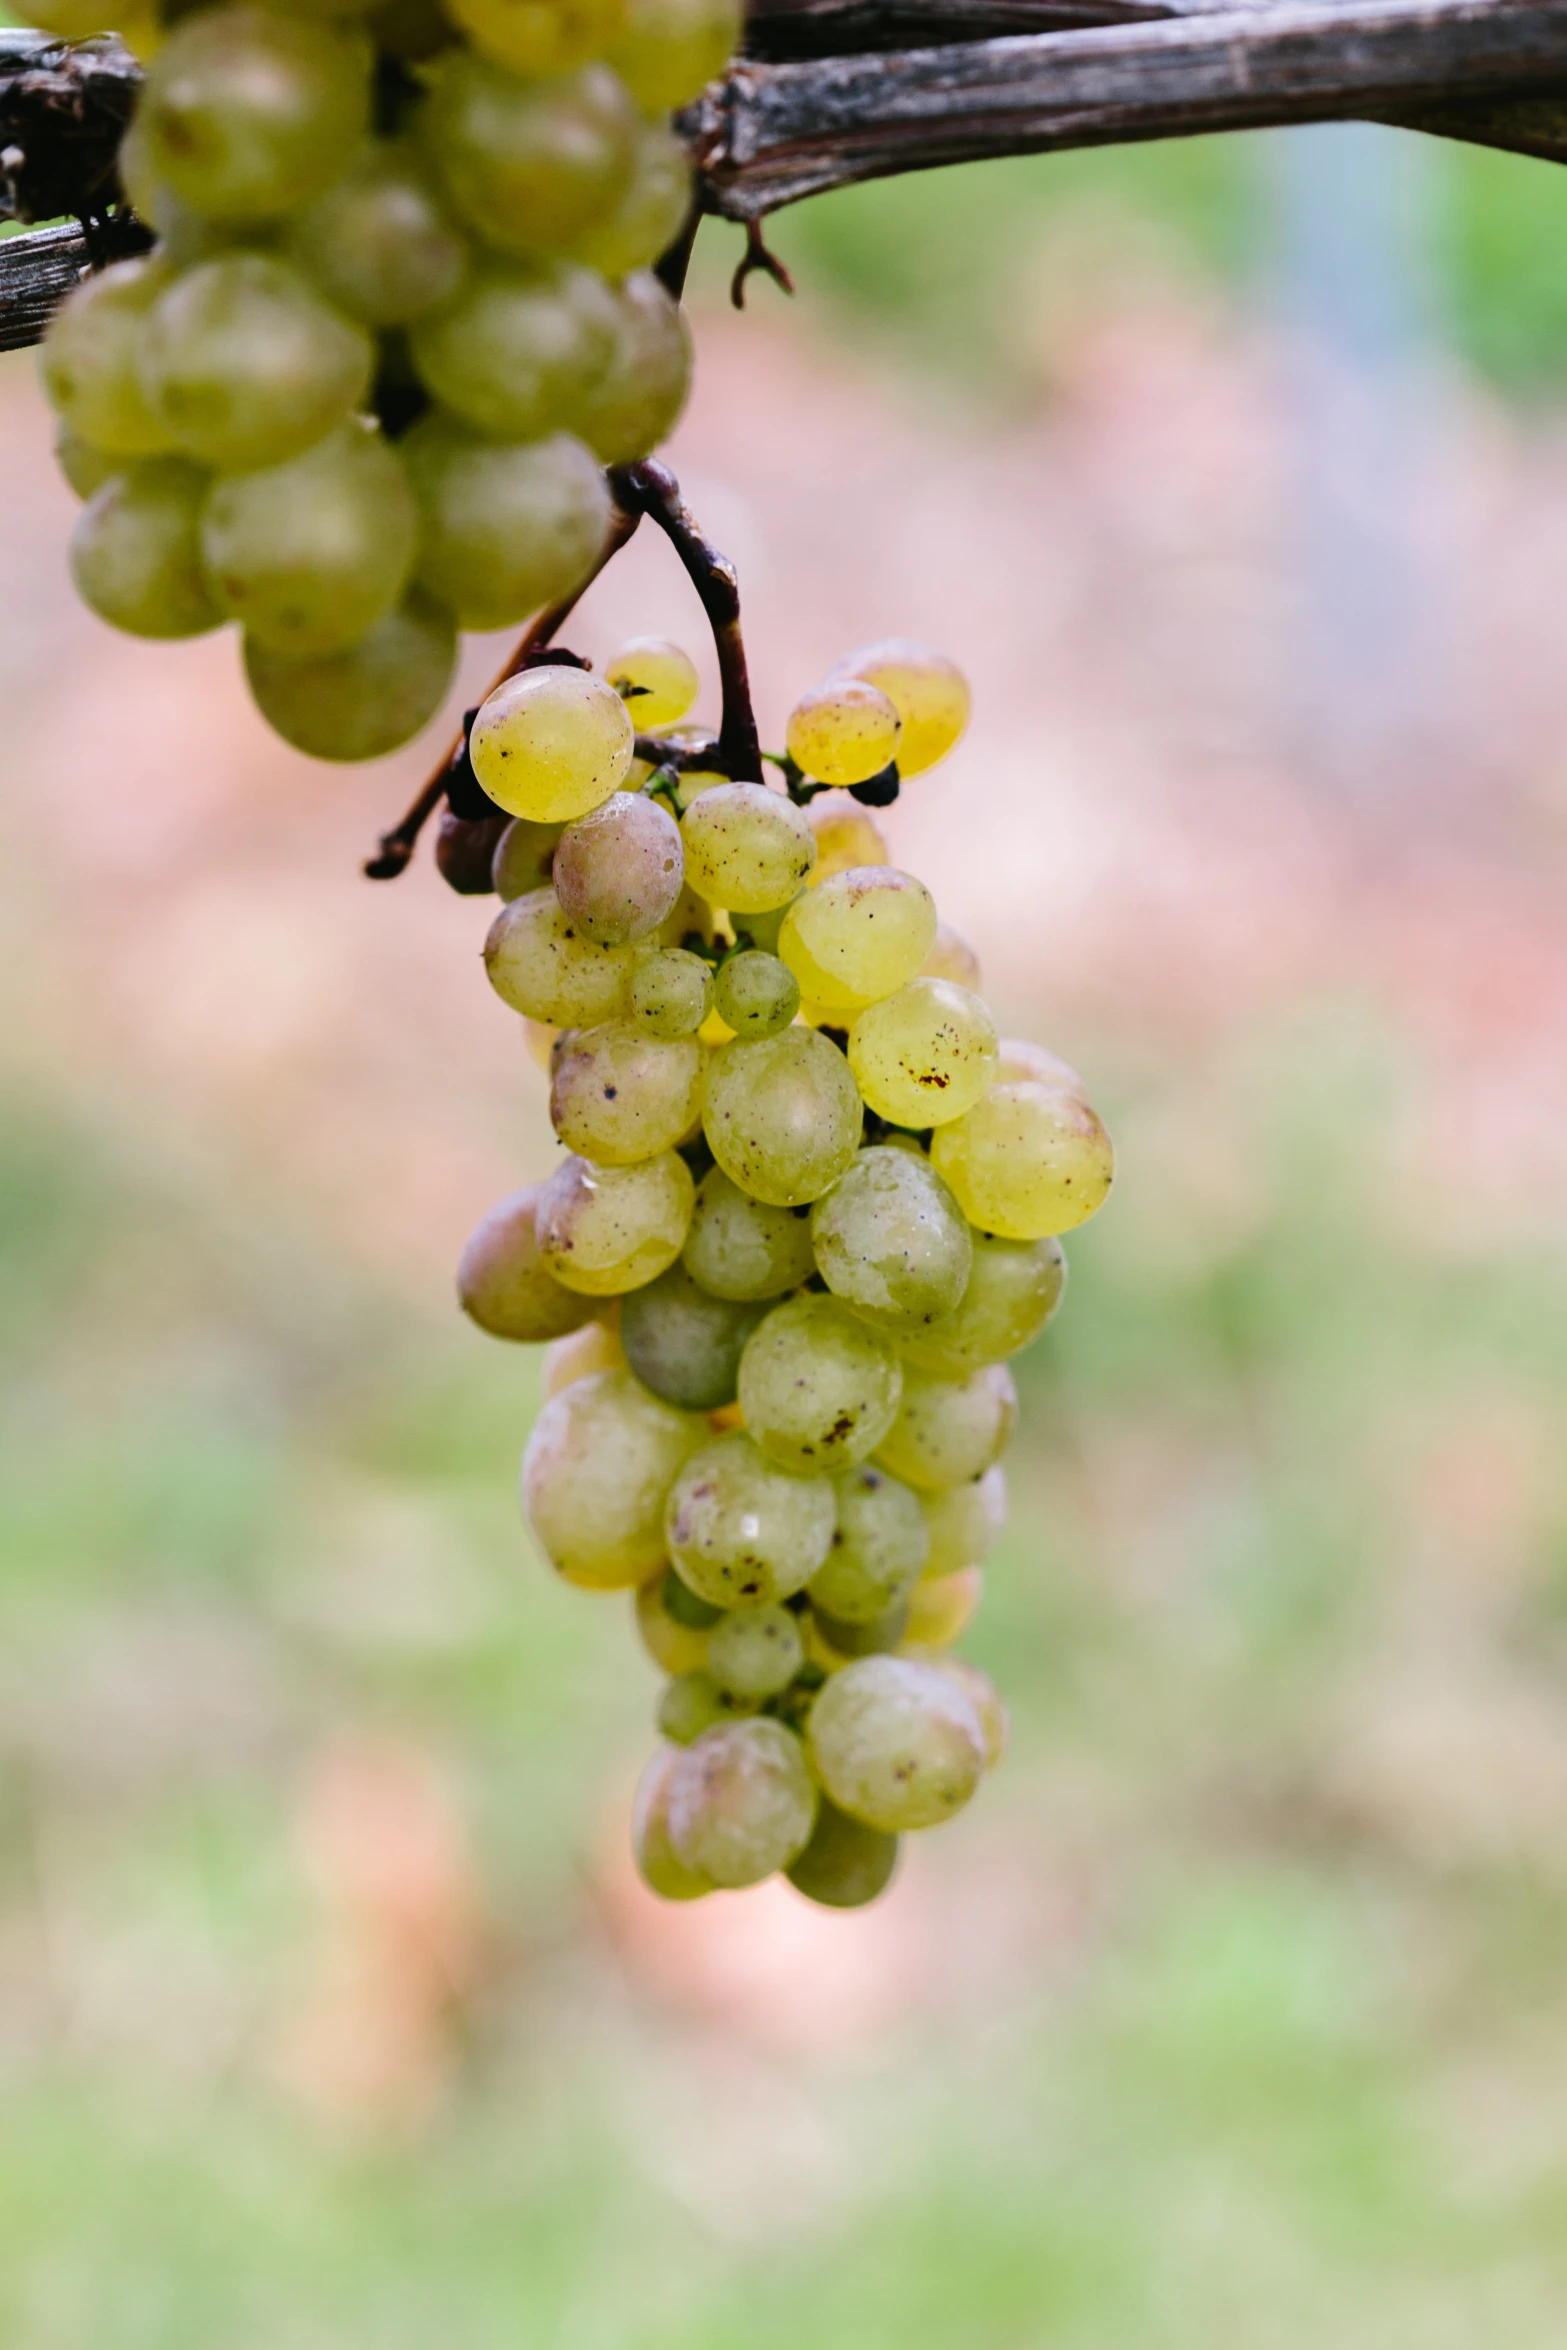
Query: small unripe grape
[(550, 744), (600, 1461), (524, 858), (949, 1430), (1014, 1292), (964, 1521), (755, 1652), (743, 1533), (519, 349), (684, 1344), (85, 468), (843, 841), (540, 964), (756, 994), (377, 241), (617, 869), (846, 1864), (364, 702), (782, 1117), (896, 1743), (741, 1804), (651, 211), (310, 554), (952, 958), (528, 164), (860, 937), (465, 852), (535, 37), (923, 1056), (669, 50), (503, 1283), (986, 1700), (508, 526), (656, 680), (637, 401), (1026, 1161), (879, 1548), (843, 732), (747, 848), (818, 1389), (692, 1703), (671, 992), (674, 1646), (618, 1095), (891, 1242), (595, 1347), (745, 1248), (929, 693), (604, 1230), (650, 1845), (1018, 1061), (136, 550), (942, 1607), (89, 361)]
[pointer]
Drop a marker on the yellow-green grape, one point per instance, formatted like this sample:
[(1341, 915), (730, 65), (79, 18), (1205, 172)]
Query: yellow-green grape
[(540, 963), (637, 401), (595, 1347), (136, 551), (891, 1242), (861, 936), (503, 1283), (619, 1095), (1014, 1291), (741, 1804), (846, 1864), (364, 702), (246, 365), (656, 680), (507, 526), (1018, 1061), (756, 994), (72, 20), (755, 1653), (688, 917), (747, 848), (929, 693), (310, 554), (819, 1390), (692, 782), (949, 1430), (896, 1742), (671, 992), (952, 958), (650, 1845), (964, 1521), (745, 1248), (550, 744), (942, 1607), (604, 1230), (986, 1700), (879, 1548), (539, 36), (617, 869), (923, 1056), (692, 1703), (1026, 1161), (843, 732), (246, 113), (675, 1646), (843, 841), (782, 1117), (524, 858), (649, 215), (743, 1533), (684, 1344), (528, 164), (183, 234), (519, 348), (599, 1464), (669, 50), (85, 468), (378, 241), (89, 362), (839, 1640)]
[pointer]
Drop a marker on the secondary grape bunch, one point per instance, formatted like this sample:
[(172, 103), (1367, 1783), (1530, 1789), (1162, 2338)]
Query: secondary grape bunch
[(810, 1208), (399, 316)]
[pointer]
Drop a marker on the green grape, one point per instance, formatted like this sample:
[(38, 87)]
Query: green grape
[(843, 1640), (503, 1283), (843, 732), (519, 349), (963, 1522), (364, 702), (953, 958), (245, 363), (949, 1430), (929, 693), (896, 1742), (246, 113), (605, 1230), (843, 841), (691, 1703), (741, 1804), (650, 214), (536, 37), (1018, 1061), (861, 936), (742, 1533), (747, 848), (650, 1845), (846, 1864), (756, 994), (818, 1389), (619, 1095), (744, 1248), (540, 964), (550, 744), (671, 49), (674, 1646), (671, 992), (600, 1461), (656, 680), (528, 164), (684, 1344), (942, 1607), (508, 526), (925, 1055), (891, 1242), (782, 1117), (85, 468), (637, 401), (879, 1548), (1014, 1292), (688, 918), (310, 554), (986, 1700), (89, 360), (524, 857), (1026, 1161), (762, 930), (687, 1606), (136, 550), (755, 1653), (377, 242), (617, 869)]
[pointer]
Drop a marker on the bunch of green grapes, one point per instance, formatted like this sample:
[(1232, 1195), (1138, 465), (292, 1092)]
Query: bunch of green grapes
[(809, 1208), (399, 316)]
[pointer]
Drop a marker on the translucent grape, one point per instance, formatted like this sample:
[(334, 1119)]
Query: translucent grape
[(740, 1804), (879, 1548), (929, 693), (656, 680), (747, 848), (604, 1230), (619, 1095), (1014, 1291), (692, 1703), (949, 1430), (595, 1347), (503, 1283), (896, 1743), (923, 1056), (524, 858), (669, 50), (952, 958), (986, 1700), (650, 213), (1019, 1061), (310, 554), (843, 732), (755, 1652), (818, 1389), (742, 1533), (520, 347), (674, 1646), (860, 937), (964, 1521), (739, 1247), (550, 744), (650, 1845), (378, 242), (942, 1607), (846, 1864), (89, 360), (685, 1345), (540, 963), (85, 468), (599, 1464), (1026, 1161), (528, 164), (891, 1242), (244, 362), (617, 869), (364, 702), (756, 994), (136, 551), (671, 992), (838, 1640), (508, 526), (782, 1117), (539, 36), (637, 401), (843, 841)]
